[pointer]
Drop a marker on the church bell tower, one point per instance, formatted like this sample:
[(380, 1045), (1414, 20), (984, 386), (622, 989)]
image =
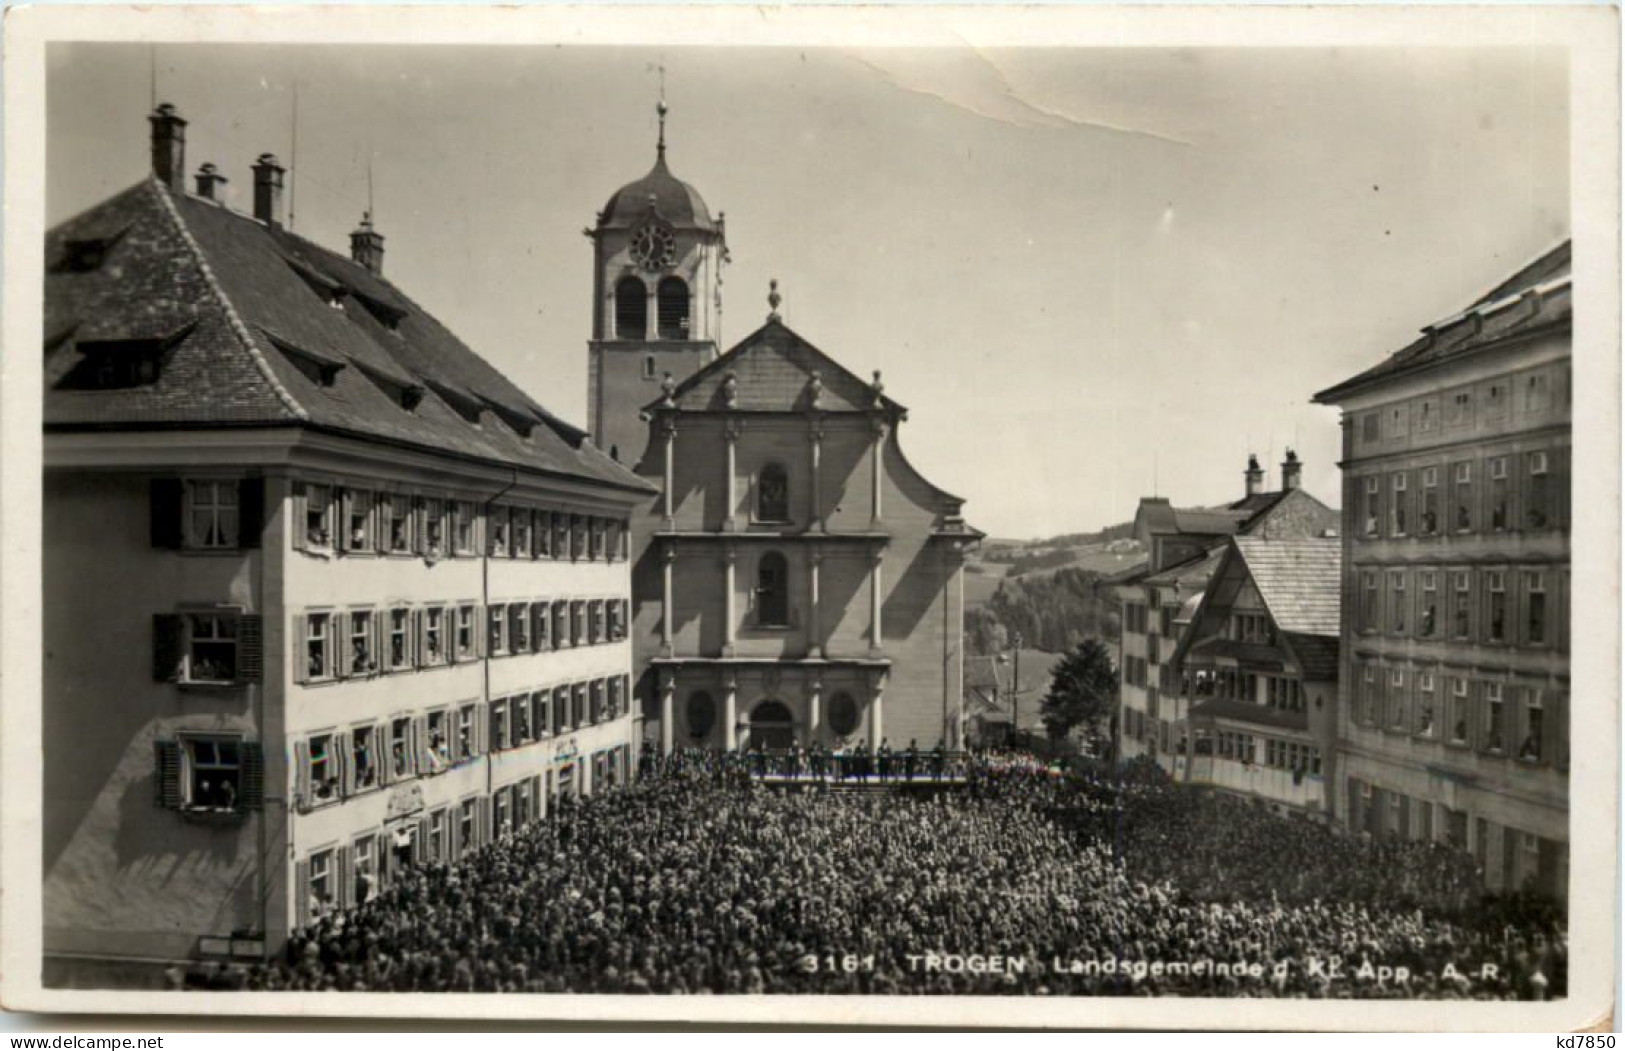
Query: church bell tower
[(657, 300)]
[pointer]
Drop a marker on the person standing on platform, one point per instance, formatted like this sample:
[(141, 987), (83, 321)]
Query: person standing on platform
[(883, 758), (910, 757)]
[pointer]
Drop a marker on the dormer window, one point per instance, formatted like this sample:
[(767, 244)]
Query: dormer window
[(122, 363)]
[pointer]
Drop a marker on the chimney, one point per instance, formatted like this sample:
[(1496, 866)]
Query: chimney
[(208, 177), (1291, 471), (1255, 476), (268, 190), (367, 245), (168, 146)]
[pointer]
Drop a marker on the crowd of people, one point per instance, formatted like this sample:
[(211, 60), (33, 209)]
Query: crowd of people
[(698, 879)]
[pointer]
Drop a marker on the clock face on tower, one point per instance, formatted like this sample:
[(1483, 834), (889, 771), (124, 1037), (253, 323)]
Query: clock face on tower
[(654, 247)]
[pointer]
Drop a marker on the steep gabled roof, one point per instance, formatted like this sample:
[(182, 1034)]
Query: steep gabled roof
[(283, 332), (1298, 581), (773, 367), (1538, 298)]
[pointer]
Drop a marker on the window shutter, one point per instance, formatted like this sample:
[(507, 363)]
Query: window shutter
[(253, 780), (383, 753), (167, 775), (482, 628), (301, 774), (383, 509), (342, 760), (482, 721), (339, 511), (301, 659), (418, 621), (166, 510), (418, 741), (168, 647), (346, 894), (483, 830), (375, 639), (300, 503), (250, 648), (339, 646), (250, 512), (301, 893)]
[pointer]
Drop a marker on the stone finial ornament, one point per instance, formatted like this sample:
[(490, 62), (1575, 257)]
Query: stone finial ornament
[(730, 390), (815, 389), (877, 389), (668, 390), (773, 299)]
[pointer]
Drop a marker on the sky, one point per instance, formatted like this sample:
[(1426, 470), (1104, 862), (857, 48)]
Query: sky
[(1091, 274)]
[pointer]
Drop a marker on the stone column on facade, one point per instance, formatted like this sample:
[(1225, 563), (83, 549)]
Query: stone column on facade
[(815, 699), (730, 442), (668, 428), (877, 430), (815, 627), (668, 709), (730, 556), (877, 711), (668, 558), (815, 442), (876, 639), (730, 712)]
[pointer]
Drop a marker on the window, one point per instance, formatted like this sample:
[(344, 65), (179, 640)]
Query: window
[(617, 620), (357, 520), (1430, 501), (1368, 695), (464, 747), (1495, 583), (437, 749), (1398, 422), (1536, 393), (1534, 726), (1495, 399), (1534, 596), (467, 825), (497, 524), (1461, 615), (322, 769), (400, 748), (1368, 604), (613, 539), (437, 837), (499, 725), (400, 653), (317, 645), (578, 623), (1396, 602), (1458, 711), (671, 306), (212, 514), (521, 533), (519, 715), (1461, 408), (363, 754), (400, 524), (631, 309), (1538, 497), (519, 627), (595, 538), (561, 535), (1429, 621), (209, 654), (434, 527), (434, 630), (362, 660), (322, 884), (843, 714), (318, 515), (544, 534), (595, 701), (1373, 505), (1369, 423), (1427, 415), (1396, 699), (465, 632), (214, 772), (561, 624), (1425, 700), (578, 705), (462, 525), (772, 591), (495, 618), (1499, 520), (578, 537), (561, 710), (1400, 504), (540, 719), (1463, 497), (1494, 714), (773, 494)]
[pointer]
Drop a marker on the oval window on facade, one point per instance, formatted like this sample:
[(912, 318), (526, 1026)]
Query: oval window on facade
[(843, 714), (702, 714)]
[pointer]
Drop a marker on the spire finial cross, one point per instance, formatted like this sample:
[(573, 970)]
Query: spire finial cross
[(661, 110)]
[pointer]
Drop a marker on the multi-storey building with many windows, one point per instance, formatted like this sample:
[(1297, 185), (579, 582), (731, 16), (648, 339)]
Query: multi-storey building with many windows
[(1455, 592), (326, 593), (1184, 547)]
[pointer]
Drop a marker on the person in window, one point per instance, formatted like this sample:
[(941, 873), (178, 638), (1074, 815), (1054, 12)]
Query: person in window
[(1530, 749), (1425, 726), (360, 661), (1461, 730), (363, 887), (398, 751), (402, 843)]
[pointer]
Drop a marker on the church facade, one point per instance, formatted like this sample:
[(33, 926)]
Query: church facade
[(796, 581)]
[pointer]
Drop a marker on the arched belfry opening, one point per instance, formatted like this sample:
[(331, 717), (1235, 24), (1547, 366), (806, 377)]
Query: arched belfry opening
[(631, 309), (672, 301)]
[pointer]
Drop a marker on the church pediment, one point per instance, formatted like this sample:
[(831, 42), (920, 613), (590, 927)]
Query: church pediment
[(775, 370)]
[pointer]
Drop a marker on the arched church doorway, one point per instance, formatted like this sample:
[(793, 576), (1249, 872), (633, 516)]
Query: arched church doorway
[(771, 727)]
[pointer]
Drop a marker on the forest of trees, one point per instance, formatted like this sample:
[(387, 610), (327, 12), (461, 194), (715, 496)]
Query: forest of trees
[(1054, 613)]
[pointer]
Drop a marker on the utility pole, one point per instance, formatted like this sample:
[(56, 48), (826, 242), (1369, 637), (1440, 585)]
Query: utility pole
[(1015, 691)]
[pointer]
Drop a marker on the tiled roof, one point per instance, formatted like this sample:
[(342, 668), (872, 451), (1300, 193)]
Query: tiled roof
[(982, 673), (1317, 654), (1298, 580), (774, 367), (260, 302), (1538, 298)]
